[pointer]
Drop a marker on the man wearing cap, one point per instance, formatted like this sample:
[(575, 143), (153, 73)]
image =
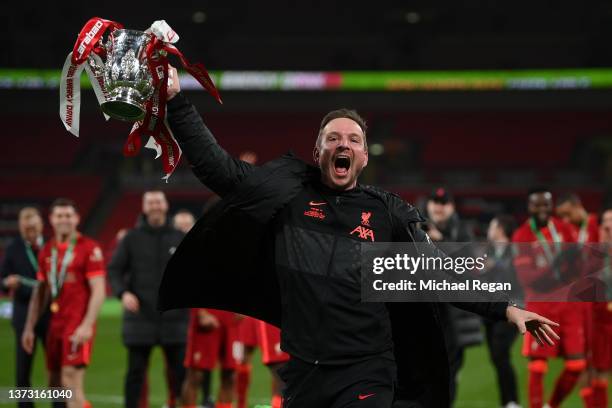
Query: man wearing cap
[(462, 328)]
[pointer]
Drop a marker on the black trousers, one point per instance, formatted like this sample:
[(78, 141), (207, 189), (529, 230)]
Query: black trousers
[(138, 361), (455, 361), (500, 336), (23, 362), (366, 384)]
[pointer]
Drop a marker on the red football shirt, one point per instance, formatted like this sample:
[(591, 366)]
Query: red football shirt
[(590, 234), (87, 262), (528, 269)]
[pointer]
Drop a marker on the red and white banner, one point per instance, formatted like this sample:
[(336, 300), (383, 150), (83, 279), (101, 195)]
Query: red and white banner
[(70, 95), (70, 81)]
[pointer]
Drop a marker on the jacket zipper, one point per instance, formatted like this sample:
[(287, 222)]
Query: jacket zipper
[(324, 300)]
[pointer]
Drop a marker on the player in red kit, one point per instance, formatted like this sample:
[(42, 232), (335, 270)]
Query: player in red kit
[(601, 345), (71, 274), (253, 333), (248, 338), (533, 264), (273, 357), (212, 337), (570, 209)]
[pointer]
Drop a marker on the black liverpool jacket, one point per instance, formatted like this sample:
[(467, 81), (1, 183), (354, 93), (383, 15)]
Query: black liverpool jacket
[(224, 262)]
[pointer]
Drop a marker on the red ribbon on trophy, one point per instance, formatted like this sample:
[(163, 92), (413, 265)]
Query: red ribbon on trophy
[(153, 124)]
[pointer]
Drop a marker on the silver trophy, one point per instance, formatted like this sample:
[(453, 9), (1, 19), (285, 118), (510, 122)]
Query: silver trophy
[(126, 75)]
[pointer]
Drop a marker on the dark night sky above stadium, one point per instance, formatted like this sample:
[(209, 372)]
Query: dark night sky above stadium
[(345, 35)]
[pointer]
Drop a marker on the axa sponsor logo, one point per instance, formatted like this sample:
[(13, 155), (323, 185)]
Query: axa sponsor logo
[(363, 233)]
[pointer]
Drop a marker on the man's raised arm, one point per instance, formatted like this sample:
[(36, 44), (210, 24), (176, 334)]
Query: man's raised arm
[(215, 168)]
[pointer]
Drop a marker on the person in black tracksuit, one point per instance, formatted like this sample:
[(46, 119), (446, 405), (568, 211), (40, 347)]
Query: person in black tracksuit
[(283, 245), (326, 328)]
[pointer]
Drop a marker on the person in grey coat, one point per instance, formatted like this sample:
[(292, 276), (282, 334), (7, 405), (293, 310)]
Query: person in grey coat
[(135, 272)]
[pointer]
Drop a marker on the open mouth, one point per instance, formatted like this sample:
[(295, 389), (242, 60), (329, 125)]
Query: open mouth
[(342, 164)]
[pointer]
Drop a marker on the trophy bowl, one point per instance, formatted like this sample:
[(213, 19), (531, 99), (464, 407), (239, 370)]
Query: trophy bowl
[(126, 75)]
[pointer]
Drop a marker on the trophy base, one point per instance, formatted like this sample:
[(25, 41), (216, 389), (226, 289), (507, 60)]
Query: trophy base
[(124, 104)]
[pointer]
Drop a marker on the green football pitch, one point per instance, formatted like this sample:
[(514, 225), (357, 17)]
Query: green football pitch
[(104, 379)]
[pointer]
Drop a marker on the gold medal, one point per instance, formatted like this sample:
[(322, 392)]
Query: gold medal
[(610, 307), (54, 307)]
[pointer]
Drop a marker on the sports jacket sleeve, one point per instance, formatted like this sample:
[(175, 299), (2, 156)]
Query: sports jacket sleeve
[(211, 164), (407, 218), (118, 268)]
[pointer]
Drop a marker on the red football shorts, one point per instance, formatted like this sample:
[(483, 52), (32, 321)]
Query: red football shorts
[(206, 348), (247, 332), (269, 341), (601, 345), (571, 317), (60, 351)]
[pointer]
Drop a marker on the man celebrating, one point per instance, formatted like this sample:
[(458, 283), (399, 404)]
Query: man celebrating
[(535, 269), (70, 274), (283, 246)]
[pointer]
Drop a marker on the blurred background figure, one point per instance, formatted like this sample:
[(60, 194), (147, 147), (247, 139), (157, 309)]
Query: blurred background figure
[(273, 357), (71, 275), (601, 341), (534, 265), (135, 272), (18, 278), (183, 220), (462, 329), (212, 340), (248, 337), (570, 209), (501, 335)]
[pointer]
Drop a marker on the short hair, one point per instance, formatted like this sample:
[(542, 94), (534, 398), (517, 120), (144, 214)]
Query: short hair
[(538, 190), (344, 113), (507, 224), (605, 210), (63, 202), (29, 212), (154, 191), (571, 198), (183, 211)]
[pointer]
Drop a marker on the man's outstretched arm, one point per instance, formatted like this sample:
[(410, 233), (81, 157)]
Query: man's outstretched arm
[(215, 168), (539, 326)]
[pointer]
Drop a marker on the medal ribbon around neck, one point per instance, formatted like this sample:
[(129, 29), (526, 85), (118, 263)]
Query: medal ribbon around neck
[(544, 242), (56, 282), (33, 261), (583, 234)]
